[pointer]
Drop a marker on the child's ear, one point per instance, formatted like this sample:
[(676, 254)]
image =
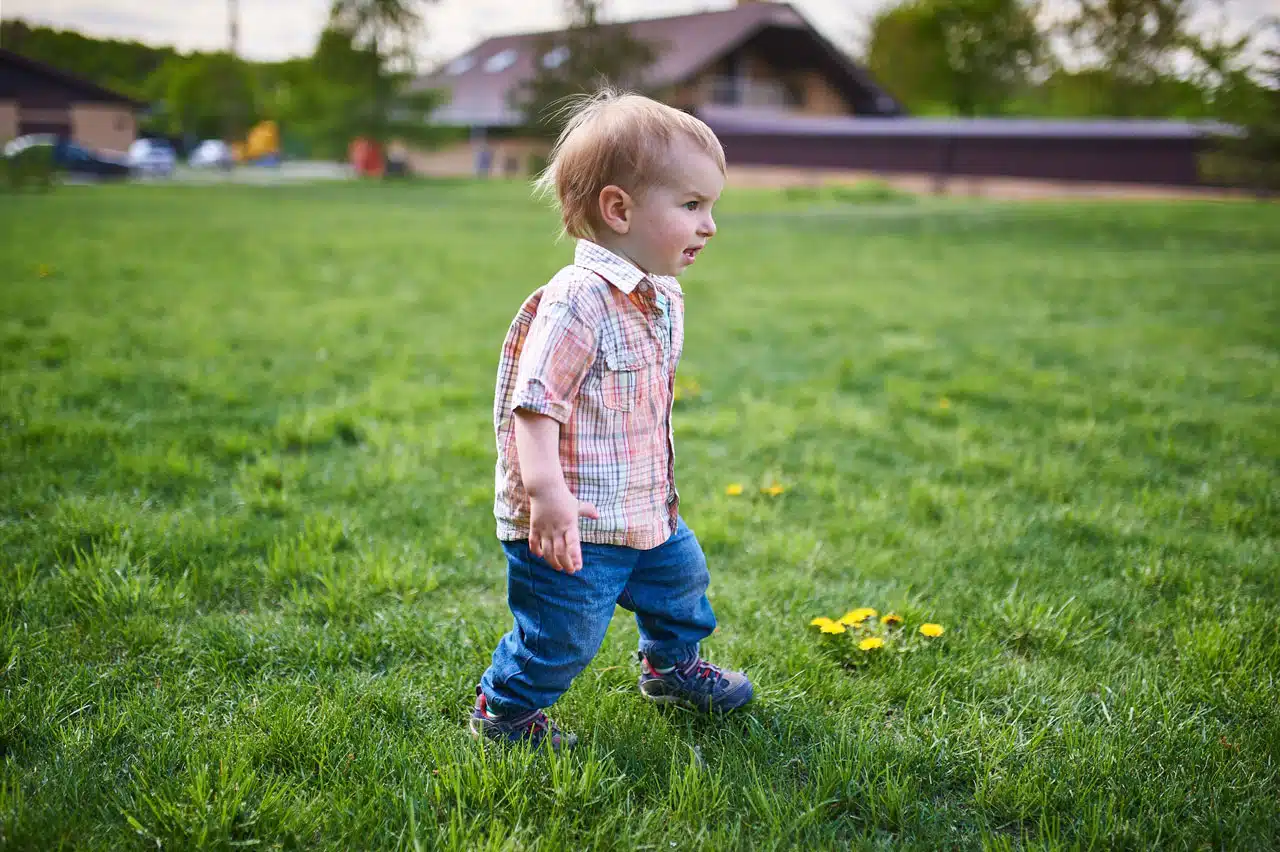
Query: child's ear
[(615, 209)]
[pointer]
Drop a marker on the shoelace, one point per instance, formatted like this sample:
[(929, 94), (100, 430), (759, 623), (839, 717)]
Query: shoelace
[(537, 720), (703, 670)]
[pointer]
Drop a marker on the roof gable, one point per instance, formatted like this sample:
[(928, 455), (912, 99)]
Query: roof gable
[(86, 89), (481, 80)]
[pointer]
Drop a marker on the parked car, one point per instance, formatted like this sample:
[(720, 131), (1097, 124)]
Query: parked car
[(79, 160), (211, 153), (152, 157)]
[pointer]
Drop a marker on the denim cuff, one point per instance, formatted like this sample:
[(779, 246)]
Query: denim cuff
[(664, 655)]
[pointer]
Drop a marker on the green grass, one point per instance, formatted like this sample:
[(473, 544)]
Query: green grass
[(249, 575)]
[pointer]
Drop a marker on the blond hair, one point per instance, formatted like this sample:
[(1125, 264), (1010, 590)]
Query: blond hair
[(614, 138)]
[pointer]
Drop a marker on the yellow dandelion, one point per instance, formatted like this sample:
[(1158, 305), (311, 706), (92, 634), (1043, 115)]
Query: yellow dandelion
[(891, 619), (734, 489), (773, 490), (871, 643), (932, 630), (857, 616), (676, 394), (833, 627), (44, 271), (820, 621), (944, 403)]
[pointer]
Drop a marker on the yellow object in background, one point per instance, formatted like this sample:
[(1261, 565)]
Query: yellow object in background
[(238, 151), (264, 140)]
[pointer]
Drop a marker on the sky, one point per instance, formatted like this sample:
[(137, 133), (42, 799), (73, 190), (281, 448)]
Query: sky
[(277, 29)]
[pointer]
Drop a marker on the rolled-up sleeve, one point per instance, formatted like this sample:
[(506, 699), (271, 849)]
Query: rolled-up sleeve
[(558, 352)]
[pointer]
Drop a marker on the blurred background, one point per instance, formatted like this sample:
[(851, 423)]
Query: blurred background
[(982, 96)]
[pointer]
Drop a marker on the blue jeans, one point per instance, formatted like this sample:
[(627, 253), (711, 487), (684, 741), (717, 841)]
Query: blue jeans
[(560, 619)]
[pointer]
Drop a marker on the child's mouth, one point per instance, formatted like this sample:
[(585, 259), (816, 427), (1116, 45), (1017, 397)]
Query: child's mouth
[(691, 254)]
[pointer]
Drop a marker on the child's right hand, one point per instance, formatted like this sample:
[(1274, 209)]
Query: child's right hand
[(553, 529)]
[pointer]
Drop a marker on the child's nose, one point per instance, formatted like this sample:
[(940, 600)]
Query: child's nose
[(708, 228)]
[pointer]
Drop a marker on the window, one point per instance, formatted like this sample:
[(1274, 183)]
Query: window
[(500, 61), (556, 57), (461, 65)]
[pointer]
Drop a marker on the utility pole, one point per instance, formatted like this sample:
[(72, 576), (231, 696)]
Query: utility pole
[(232, 121), (233, 20)]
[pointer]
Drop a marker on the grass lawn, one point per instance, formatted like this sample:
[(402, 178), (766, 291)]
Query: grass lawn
[(249, 578)]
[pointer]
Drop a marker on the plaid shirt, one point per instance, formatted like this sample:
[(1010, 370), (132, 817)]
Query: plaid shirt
[(596, 350)]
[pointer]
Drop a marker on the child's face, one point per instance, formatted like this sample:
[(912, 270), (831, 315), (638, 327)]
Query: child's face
[(670, 222)]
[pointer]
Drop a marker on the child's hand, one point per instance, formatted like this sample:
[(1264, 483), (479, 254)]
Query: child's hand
[(553, 529)]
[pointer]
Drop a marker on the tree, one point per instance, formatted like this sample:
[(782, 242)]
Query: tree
[(345, 91), (1252, 159), (119, 65), (1136, 44), (1225, 71), (905, 56), (583, 58), (211, 95), (970, 55), (367, 61)]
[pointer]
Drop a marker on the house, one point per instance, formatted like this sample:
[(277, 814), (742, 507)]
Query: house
[(758, 56), (38, 98), (790, 108)]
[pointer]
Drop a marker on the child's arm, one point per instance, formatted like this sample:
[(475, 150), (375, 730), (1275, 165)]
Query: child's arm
[(553, 510)]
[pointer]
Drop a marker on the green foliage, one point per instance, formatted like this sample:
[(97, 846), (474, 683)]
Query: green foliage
[(212, 95), (1125, 58), (249, 575), (1135, 41), (1145, 58), (590, 55), (347, 91), (969, 54), (356, 83), (1252, 160), (31, 167), (120, 65), (364, 65)]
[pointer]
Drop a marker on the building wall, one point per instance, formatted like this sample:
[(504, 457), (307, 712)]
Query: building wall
[(451, 161), (105, 126), (1131, 160), (43, 120), (817, 95), (510, 158), (8, 120), (822, 98)]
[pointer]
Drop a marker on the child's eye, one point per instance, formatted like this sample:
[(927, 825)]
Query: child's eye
[(691, 205)]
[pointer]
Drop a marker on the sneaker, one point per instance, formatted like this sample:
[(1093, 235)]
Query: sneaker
[(695, 684), (533, 727)]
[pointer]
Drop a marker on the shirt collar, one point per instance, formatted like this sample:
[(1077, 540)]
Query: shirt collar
[(614, 268)]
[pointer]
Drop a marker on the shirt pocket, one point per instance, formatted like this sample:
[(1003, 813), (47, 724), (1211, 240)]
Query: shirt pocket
[(620, 379)]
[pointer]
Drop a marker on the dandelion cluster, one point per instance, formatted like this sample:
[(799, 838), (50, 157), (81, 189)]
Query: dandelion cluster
[(862, 634), (686, 388), (773, 489)]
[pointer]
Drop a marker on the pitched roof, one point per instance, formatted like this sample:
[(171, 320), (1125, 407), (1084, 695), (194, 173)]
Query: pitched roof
[(86, 88), (481, 79)]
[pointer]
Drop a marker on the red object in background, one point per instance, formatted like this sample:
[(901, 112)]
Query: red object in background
[(366, 157)]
